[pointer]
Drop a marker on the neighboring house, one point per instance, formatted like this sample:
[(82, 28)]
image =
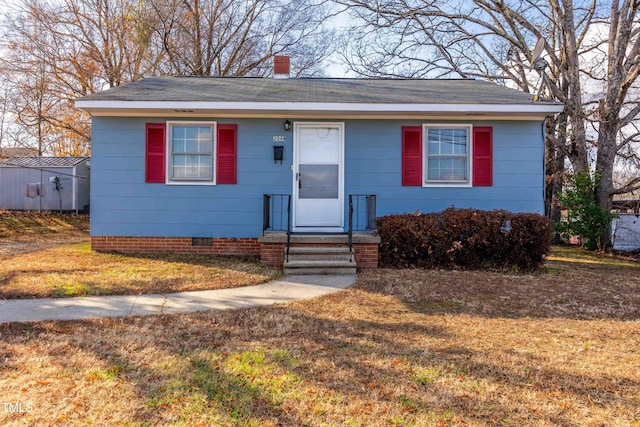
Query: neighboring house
[(182, 162), (8, 152), (29, 183)]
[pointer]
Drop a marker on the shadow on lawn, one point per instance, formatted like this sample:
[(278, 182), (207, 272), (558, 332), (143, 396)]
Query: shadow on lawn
[(228, 366), (563, 290), (240, 262)]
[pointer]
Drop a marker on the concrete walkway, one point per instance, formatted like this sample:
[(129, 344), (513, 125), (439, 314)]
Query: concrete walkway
[(285, 289)]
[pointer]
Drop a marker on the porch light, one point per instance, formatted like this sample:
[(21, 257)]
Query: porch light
[(287, 125)]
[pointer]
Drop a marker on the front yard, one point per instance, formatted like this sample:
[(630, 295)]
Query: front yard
[(401, 348), (73, 269), (49, 255)]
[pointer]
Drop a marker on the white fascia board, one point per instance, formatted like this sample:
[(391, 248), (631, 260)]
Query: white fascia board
[(125, 107)]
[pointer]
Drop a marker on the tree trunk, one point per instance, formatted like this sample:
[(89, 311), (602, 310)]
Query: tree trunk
[(604, 173), (555, 164)]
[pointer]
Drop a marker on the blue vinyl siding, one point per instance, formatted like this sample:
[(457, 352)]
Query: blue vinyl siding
[(122, 204)]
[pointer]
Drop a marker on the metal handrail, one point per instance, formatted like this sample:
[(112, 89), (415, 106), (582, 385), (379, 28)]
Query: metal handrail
[(365, 218), (272, 204), (273, 212), (350, 231), (369, 220), (288, 228)]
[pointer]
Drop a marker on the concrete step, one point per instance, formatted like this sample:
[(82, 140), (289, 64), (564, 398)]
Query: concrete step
[(318, 271), (319, 266), (318, 253), (318, 249)]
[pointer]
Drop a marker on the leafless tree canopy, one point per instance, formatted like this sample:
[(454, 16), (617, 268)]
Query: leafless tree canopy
[(239, 37), (57, 50), (592, 49)]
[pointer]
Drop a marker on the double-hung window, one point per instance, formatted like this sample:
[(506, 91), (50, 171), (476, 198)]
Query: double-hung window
[(447, 159), (191, 147)]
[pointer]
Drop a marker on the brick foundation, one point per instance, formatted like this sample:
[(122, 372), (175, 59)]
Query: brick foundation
[(219, 246), (271, 253), (366, 255)]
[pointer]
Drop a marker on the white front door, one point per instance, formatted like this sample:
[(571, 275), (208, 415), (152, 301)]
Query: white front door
[(318, 177)]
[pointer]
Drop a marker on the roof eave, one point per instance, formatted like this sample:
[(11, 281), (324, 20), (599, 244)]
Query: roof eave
[(313, 109)]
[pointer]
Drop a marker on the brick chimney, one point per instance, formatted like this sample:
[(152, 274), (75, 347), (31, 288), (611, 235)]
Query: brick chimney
[(281, 67)]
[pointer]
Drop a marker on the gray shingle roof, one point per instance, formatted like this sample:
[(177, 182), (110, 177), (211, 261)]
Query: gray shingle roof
[(314, 90), (44, 162)]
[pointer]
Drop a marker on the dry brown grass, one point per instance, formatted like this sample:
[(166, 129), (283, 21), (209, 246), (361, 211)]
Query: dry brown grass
[(73, 269), (48, 255), (409, 347), (18, 224), (22, 232)]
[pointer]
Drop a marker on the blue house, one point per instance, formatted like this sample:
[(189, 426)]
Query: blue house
[(228, 165)]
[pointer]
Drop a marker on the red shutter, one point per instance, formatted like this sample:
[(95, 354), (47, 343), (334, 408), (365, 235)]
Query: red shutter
[(155, 147), (227, 154), (411, 155), (482, 156)]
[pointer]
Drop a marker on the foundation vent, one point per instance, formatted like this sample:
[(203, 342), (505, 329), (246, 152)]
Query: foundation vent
[(201, 241)]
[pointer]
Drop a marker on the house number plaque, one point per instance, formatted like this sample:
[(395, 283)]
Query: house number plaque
[(279, 138)]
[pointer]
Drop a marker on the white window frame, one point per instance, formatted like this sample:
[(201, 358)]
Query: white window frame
[(425, 155), (169, 153)]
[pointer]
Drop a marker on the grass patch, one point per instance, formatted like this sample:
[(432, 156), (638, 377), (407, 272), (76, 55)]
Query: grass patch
[(73, 269), (396, 349), (19, 224), (22, 232), (576, 255), (49, 255)]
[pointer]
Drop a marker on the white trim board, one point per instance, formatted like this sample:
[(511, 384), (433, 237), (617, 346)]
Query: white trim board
[(313, 109)]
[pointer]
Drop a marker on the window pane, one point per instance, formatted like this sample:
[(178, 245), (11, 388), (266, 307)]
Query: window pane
[(178, 132), (447, 169), (192, 150), (447, 141), (433, 169), (191, 132), (447, 151), (179, 160), (177, 146), (205, 146), (205, 134), (191, 146), (205, 172), (318, 182), (191, 139)]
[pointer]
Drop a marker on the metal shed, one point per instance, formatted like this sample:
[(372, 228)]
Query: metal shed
[(45, 183)]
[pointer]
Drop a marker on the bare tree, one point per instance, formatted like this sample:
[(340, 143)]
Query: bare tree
[(55, 51), (592, 50), (240, 37)]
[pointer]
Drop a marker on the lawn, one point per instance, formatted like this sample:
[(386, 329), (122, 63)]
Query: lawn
[(49, 255), (42, 225), (400, 348), (29, 231)]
